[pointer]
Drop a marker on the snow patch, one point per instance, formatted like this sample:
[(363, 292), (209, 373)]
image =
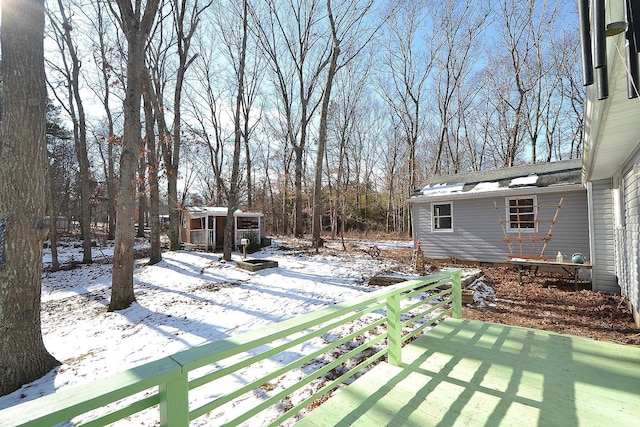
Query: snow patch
[(442, 189), (524, 180)]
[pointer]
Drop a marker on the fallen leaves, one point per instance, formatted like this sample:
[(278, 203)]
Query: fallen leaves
[(552, 303)]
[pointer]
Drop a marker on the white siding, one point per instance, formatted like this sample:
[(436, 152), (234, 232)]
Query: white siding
[(629, 239), (603, 246)]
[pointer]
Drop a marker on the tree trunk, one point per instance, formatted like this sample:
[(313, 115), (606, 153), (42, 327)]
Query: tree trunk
[(154, 192), (237, 145), (76, 110), (23, 356), (53, 221), (109, 167), (322, 137), (142, 192), (247, 151), (122, 294)]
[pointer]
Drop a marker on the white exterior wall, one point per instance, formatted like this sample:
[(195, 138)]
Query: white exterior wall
[(603, 244), (628, 235), (478, 236)]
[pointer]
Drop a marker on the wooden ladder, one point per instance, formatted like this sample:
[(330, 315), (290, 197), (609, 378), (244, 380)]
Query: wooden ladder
[(530, 235)]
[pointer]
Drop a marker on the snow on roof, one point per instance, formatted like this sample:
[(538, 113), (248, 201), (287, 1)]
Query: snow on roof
[(524, 180), (538, 175), (442, 188), (218, 210), (197, 211)]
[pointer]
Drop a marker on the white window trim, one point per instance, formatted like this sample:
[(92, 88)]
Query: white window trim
[(535, 214), (433, 219)]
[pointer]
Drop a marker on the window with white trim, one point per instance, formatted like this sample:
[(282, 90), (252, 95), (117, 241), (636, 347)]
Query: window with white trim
[(442, 216), (522, 214)]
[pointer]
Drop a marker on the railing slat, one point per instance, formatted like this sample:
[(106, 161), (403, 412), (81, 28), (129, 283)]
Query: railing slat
[(394, 333), (174, 402)]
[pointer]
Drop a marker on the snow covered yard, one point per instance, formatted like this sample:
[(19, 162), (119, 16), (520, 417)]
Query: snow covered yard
[(188, 299)]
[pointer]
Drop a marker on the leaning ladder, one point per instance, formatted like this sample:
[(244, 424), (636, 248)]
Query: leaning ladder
[(529, 236)]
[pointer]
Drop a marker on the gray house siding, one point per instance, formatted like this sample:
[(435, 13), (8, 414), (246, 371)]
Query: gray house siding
[(478, 236), (603, 245), (629, 240)]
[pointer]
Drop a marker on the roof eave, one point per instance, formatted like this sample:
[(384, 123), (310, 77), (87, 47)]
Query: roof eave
[(503, 192)]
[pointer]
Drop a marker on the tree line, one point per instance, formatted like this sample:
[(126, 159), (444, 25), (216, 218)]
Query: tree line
[(323, 114)]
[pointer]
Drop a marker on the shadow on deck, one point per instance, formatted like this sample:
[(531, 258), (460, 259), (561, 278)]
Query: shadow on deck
[(465, 372)]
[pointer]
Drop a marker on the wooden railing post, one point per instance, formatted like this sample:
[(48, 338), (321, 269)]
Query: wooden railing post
[(394, 329), (456, 289), (174, 402)]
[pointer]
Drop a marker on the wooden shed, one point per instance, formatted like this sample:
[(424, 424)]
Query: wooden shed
[(531, 211), (204, 226)]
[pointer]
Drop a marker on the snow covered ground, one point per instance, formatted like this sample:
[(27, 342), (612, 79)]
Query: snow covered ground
[(188, 299)]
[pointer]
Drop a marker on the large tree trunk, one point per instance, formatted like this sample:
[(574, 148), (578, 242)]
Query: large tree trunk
[(122, 282), (122, 294), (23, 356)]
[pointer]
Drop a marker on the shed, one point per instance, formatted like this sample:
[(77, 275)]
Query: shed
[(611, 162), (476, 216), (204, 226)]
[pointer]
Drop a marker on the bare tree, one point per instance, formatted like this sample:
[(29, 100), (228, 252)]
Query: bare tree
[(459, 24), (61, 163), (349, 108), (349, 33), (135, 21), (516, 77), (207, 112), (186, 17), (70, 70), (23, 356), (239, 67), (153, 166), (297, 47), (568, 140), (108, 59), (214, 97), (409, 60)]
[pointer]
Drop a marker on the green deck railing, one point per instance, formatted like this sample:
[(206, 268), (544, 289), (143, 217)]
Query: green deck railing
[(319, 350)]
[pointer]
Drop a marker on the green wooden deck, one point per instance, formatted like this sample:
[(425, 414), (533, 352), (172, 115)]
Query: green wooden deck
[(465, 372)]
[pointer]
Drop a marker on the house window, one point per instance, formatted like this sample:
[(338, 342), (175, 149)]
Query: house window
[(197, 223), (442, 217), (248, 223), (522, 213)]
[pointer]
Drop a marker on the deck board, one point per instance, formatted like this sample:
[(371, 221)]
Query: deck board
[(470, 373)]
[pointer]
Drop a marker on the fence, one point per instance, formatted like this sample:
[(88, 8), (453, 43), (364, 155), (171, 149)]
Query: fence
[(318, 351)]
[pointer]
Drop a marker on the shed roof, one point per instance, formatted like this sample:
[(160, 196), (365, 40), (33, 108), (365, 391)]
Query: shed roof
[(197, 211), (557, 175)]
